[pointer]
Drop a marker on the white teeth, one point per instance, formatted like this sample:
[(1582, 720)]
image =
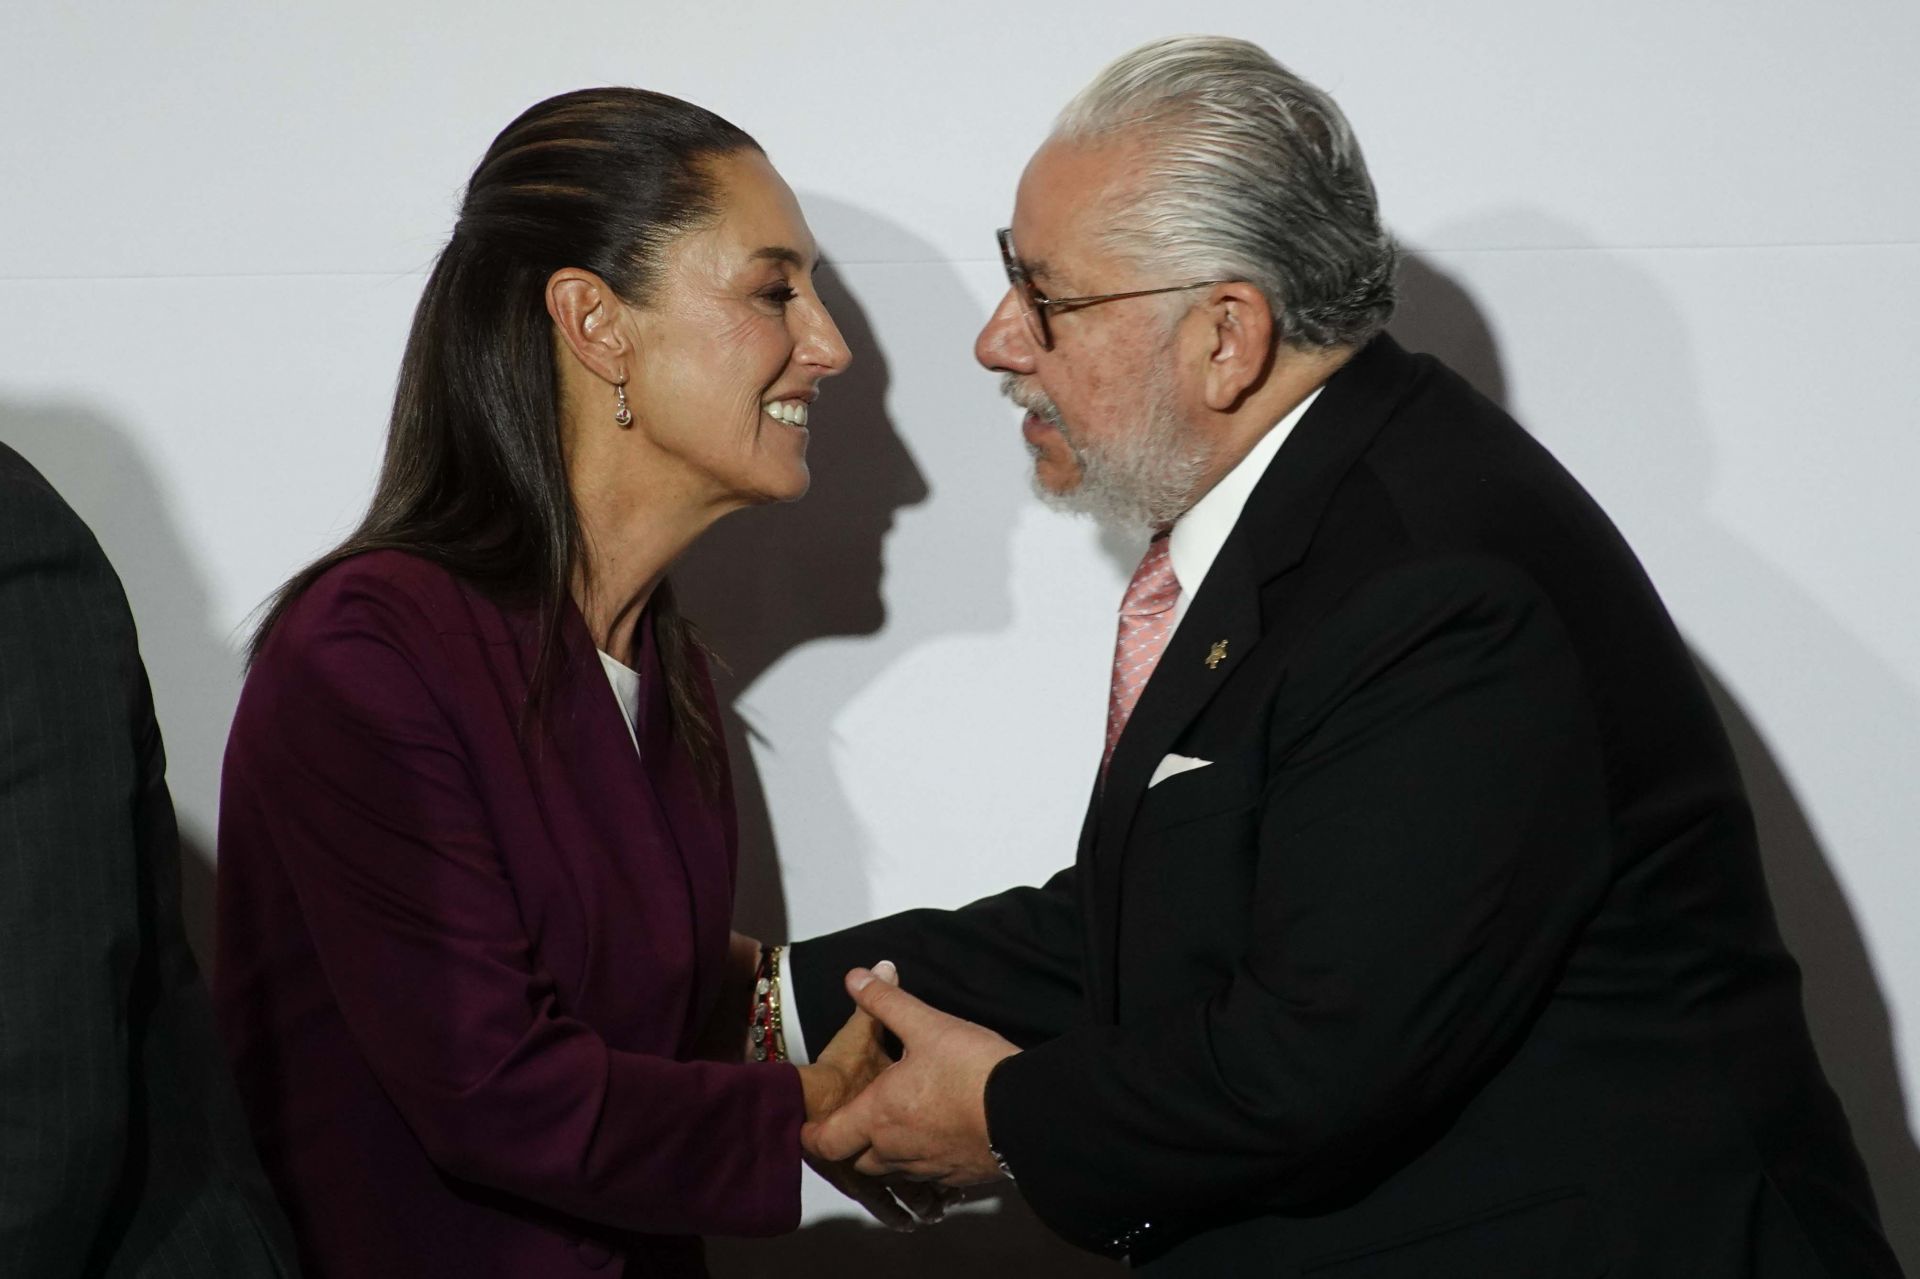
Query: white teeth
[(792, 412)]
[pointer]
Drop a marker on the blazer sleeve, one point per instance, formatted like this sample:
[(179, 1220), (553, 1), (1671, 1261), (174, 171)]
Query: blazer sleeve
[(69, 926), (1433, 834), (378, 820), (1013, 962)]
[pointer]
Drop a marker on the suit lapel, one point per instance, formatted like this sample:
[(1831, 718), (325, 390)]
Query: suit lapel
[(1224, 622), (1220, 627)]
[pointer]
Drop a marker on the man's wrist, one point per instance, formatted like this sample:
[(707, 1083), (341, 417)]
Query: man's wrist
[(796, 1034)]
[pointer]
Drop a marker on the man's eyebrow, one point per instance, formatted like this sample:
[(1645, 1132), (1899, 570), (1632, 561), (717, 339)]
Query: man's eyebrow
[(781, 253)]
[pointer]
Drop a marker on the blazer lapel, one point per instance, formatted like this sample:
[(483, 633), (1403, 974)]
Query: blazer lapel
[(648, 807), (1224, 621), (695, 829)]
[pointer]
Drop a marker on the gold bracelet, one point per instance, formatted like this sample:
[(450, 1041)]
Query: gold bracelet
[(767, 1032), (773, 1006)]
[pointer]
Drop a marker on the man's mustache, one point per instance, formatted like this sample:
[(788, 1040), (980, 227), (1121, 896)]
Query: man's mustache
[(1030, 397)]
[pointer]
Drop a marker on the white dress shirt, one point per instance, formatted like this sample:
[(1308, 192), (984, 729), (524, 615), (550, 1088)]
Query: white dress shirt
[(790, 1015), (1198, 535), (1192, 547), (626, 691)]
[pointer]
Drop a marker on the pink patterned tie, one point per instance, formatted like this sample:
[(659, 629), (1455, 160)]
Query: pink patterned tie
[(1146, 619)]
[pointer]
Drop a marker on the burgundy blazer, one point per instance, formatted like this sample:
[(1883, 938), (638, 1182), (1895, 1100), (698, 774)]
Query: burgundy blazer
[(462, 968)]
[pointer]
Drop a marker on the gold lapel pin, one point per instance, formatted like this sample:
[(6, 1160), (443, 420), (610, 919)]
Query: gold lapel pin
[(1217, 654)]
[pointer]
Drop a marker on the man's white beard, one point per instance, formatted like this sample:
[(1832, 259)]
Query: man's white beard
[(1140, 476)]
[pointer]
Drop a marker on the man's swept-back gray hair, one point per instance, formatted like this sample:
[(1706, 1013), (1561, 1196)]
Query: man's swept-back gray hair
[(1250, 174)]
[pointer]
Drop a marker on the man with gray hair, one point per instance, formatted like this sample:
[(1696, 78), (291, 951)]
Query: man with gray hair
[(1418, 926)]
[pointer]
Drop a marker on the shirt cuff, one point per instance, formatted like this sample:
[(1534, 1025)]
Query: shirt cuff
[(790, 1012)]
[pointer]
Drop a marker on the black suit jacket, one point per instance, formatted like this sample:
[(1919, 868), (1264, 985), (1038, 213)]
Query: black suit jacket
[(1457, 960), (122, 1150)]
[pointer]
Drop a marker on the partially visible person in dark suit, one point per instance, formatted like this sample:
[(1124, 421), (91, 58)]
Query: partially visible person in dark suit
[(1418, 928), (477, 845), (122, 1149)]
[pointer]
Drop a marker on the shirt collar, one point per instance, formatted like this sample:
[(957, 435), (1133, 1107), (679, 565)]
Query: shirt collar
[(1199, 534)]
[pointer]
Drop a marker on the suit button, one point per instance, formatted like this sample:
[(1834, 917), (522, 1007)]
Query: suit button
[(592, 1254)]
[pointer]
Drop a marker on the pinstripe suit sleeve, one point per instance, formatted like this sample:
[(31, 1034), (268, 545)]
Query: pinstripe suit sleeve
[(69, 926)]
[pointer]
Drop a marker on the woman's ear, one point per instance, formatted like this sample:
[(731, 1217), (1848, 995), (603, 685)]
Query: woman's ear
[(584, 311), (1241, 338)]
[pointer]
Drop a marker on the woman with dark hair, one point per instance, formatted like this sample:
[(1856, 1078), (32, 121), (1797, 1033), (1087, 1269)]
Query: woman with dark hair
[(477, 847)]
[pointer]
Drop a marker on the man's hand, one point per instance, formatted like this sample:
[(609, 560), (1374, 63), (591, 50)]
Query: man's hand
[(847, 1065), (853, 1059), (925, 1117)]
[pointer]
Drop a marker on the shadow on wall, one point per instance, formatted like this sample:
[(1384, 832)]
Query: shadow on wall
[(103, 476), (794, 598), (767, 581), (1846, 1007), (801, 588), (1437, 316)]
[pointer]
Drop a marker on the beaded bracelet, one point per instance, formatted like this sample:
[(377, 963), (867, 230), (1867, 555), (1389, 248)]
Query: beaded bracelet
[(768, 1036)]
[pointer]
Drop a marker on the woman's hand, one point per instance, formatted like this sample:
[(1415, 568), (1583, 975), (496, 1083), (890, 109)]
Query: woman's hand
[(854, 1059)]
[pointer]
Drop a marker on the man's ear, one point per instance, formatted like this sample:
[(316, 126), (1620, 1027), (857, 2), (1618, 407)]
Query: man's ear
[(1240, 343), (583, 309)]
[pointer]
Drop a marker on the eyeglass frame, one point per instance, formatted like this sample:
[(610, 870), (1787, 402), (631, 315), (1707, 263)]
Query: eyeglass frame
[(1034, 304)]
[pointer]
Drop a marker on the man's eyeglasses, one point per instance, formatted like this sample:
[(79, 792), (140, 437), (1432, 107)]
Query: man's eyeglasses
[(1034, 304)]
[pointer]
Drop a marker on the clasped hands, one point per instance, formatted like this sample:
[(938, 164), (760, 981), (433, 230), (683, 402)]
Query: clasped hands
[(908, 1130)]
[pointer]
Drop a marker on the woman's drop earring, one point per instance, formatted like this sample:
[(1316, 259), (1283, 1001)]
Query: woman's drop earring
[(622, 415)]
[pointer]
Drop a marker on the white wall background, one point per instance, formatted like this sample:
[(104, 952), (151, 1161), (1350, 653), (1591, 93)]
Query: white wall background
[(1680, 241)]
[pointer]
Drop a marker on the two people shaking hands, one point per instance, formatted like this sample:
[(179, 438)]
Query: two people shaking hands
[(1416, 925)]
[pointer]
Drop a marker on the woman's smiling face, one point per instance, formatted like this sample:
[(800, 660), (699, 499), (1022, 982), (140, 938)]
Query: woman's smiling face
[(734, 342)]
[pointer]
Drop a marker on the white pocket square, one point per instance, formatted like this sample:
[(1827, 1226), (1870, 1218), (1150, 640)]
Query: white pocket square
[(1173, 764)]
